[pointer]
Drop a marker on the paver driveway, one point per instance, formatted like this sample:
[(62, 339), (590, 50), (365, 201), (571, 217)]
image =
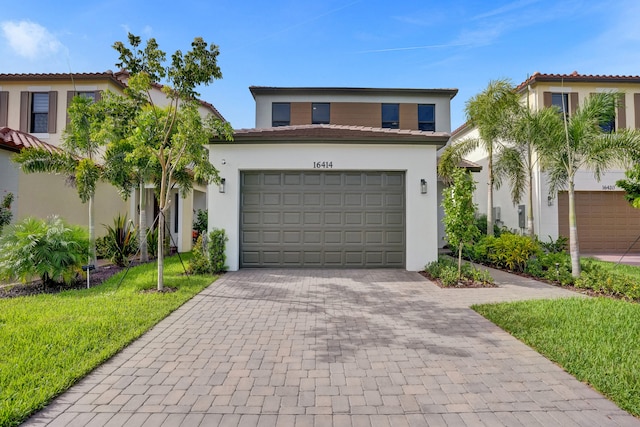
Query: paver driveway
[(333, 347)]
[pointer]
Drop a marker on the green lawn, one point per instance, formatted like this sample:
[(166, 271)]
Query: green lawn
[(595, 339), (48, 342), (630, 270)]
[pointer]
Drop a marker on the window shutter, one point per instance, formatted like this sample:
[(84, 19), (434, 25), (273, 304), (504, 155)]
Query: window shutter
[(24, 111), (636, 108), (546, 99), (53, 112), (622, 112), (4, 108), (573, 102)]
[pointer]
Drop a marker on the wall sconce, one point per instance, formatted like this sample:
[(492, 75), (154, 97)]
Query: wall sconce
[(549, 201), (221, 186), (423, 186)]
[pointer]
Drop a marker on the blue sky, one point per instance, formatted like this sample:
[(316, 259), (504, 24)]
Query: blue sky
[(355, 43)]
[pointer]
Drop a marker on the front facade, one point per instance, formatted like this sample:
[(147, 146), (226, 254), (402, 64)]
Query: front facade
[(606, 222), (35, 105), (333, 177)]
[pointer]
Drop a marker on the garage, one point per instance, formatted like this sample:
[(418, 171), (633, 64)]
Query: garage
[(606, 221), (310, 219)]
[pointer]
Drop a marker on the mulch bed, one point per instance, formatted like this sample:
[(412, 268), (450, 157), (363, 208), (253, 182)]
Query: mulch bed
[(98, 276), (462, 284)]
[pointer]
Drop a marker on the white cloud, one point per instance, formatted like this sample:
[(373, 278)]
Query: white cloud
[(30, 40)]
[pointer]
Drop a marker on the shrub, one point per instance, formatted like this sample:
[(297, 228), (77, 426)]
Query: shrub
[(216, 246), (512, 251), (555, 266), (49, 249), (121, 241), (5, 210), (446, 269), (479, 252), (152, 242), (600, 280), (101, 247), (557, 246), (201, 222), (481, 223), (199, 263)]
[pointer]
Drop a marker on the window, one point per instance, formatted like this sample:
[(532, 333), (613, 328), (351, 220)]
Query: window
[(391, 116), (561, 102), (608, 126), (427, 117), (280, 114), (90, 95), (320, 113), (39, 112)]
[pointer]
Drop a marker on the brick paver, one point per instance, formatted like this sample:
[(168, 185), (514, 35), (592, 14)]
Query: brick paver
[(334, 348)]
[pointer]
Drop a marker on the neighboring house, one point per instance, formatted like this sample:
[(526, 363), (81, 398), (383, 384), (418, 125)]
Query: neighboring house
[(333, 177), (606, 222), (36, 105)]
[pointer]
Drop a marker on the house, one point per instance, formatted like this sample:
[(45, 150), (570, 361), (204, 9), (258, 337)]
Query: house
[(606, 222), (36, 105), (333, 177)]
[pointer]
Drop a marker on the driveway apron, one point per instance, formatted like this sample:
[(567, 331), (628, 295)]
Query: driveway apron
[(334, 348)]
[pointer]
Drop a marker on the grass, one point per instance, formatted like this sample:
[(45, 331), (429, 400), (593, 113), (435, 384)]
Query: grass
[(48, 342), (595, 339)]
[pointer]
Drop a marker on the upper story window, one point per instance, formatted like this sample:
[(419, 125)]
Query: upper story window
[(561, 102), (427, 117), (391, 116), (280, 114), (320, 113), (91, 95), (39, 112)]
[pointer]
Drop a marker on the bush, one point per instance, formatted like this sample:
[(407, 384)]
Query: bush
[(49, 249), (121, 241), (481, 223), (216, 246), (479, 252), (201, 222), (446, 269), (152, 242), (199, 263), (5, 210), (554, 247), (600, 280), (555, 266), (102, 250), (512, 251)]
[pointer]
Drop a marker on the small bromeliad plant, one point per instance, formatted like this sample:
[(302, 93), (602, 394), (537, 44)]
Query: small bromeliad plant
[(121, 241), (50, 249)]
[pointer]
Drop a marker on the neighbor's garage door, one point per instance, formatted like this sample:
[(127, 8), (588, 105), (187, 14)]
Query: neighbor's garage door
[(322, 219), (606, 222)]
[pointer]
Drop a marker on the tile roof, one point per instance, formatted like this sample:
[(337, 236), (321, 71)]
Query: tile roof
[(576, 77), (337, 134), (109, 75), (14, 140)]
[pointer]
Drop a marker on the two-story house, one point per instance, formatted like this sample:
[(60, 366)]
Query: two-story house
[(606, 222), (333, 177), (33, 110)]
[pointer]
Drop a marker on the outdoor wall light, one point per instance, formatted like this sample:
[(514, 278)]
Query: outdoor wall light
[(221, 186), (549, 201), (423, 186)]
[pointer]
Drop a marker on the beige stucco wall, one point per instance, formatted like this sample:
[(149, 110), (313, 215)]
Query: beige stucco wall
[(42, 195)]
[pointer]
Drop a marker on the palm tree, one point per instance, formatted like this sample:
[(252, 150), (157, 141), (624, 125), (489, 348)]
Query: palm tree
[(579, 142), (487, 111), (518, 160), (78, 160)]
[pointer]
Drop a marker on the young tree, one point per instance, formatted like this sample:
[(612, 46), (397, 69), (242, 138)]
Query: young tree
[(579, 142), (487, 111), (79, 158), (459, 212), (171, 140)]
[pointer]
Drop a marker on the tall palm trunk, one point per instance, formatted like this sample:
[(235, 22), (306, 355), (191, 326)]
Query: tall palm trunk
[(574, 248), (530, 229), (490, 195)]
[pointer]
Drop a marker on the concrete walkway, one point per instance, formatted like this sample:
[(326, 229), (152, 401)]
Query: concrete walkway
[(334, 348)]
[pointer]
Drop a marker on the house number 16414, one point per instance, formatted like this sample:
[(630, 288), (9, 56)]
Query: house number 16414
[(322, 165)]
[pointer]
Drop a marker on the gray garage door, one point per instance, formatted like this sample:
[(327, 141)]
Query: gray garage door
[(322, 219)]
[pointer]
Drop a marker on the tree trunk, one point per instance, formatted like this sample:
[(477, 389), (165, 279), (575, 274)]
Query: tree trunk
[(161, 250), (93, 259), (530, 229), (144, 251), (574, 248), (460, 246), (490, 196)]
